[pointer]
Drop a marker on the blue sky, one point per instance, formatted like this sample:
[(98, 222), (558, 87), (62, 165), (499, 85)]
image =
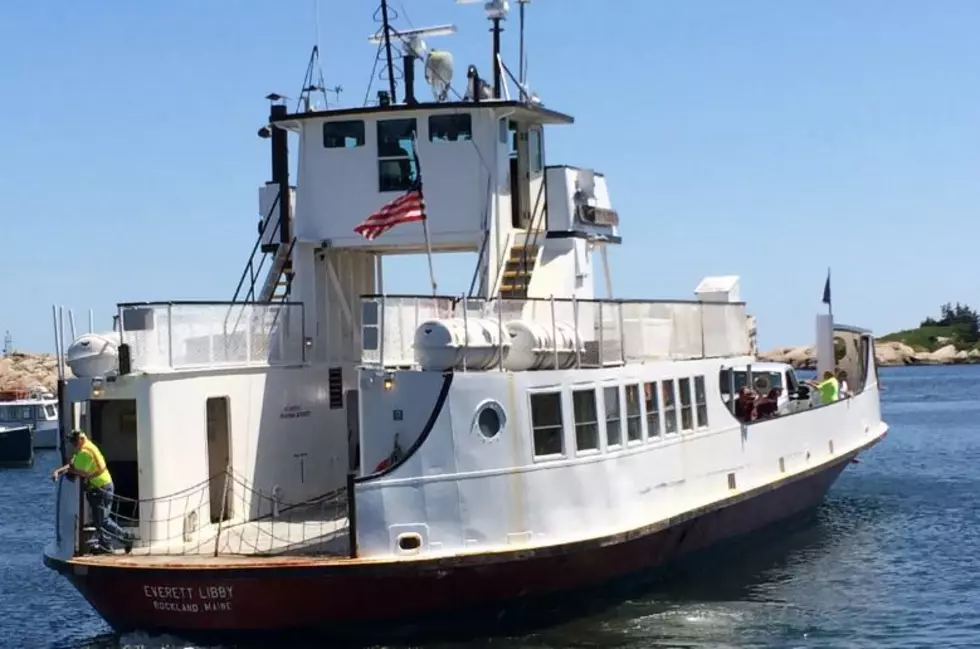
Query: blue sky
[(763, 138)]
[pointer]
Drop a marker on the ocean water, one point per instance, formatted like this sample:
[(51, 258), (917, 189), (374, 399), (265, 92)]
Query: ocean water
[(893, 559)]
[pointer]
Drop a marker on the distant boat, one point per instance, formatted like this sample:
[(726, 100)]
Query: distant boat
[(16, 447), (36, 408)]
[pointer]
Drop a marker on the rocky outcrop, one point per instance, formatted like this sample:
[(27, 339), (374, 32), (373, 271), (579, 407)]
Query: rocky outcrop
[(20, 371), (886, 354)]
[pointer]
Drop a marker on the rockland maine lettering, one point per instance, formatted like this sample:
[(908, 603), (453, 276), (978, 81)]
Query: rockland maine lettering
[(190, 599)]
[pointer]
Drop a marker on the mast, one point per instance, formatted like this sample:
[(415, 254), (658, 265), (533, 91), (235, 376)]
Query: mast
[(391, 66)]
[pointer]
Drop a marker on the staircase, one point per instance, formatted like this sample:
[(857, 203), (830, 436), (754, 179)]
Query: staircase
[(261, 282), (518, 269)]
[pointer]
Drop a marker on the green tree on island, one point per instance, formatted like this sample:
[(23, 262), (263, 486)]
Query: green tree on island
[(957, 325)]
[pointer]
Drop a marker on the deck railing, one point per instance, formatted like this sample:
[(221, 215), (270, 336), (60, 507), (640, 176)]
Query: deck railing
[(191, 335), (608, 332)]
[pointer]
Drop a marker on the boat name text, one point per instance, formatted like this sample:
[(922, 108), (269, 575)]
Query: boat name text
[(187, 599)]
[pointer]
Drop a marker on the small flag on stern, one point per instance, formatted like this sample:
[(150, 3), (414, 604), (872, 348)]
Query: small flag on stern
[(826, 289), (407, 208)]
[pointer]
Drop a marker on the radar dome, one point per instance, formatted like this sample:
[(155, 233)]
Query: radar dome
[(439, 73), (93, 355)]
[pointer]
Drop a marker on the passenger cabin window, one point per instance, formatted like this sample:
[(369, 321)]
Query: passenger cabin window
[(670, 408), (700, 402), (687, 412), (546, 424), (653, 409), (450, 128), (50, 411), (396, 162), (634, 418), (343, 135), (586, 420), (535, 151), (614, 416)]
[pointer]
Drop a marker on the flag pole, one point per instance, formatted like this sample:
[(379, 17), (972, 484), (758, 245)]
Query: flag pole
[(425, 217), (830, 299)]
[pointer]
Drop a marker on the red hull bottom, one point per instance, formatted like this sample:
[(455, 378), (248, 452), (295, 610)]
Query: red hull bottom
[(381, 599)]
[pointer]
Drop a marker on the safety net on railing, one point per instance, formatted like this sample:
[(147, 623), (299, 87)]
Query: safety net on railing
[(225, 515)]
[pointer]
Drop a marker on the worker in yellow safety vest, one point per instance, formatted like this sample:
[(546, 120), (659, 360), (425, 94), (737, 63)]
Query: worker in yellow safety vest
[(88, 464), (829, 388)]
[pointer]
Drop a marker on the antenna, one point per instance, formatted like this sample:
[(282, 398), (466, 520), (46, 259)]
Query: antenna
[(8, 344), (496, 11), (521, 69), (312, 83), (439, 64)]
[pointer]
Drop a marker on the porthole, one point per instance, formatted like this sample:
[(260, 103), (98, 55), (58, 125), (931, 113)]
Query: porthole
[(490, 420)]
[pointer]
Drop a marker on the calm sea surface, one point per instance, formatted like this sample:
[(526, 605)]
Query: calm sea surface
[(892, 561)]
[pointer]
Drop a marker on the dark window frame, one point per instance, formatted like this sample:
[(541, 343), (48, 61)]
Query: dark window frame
[(393, 154), (446, 123), (333, 140), (550, 427)]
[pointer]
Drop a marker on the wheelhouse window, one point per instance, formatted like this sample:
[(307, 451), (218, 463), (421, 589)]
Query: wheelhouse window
[(343, 135), (451, 128), (546, 424), (535, 150), (586, 420), (700, 402), (614, 416), (634, 418), (670, 407), (687, 412), (653, 409), (396, 163), (50, 411)]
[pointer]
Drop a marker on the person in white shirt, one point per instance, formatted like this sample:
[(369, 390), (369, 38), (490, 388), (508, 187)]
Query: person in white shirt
[(845, 390)]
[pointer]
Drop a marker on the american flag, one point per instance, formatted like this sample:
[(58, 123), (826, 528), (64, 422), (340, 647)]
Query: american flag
[(404, 209)]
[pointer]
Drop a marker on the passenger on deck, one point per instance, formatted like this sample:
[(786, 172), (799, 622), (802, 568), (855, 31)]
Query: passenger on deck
[(88, 464), (768, 406), (845, 390), (745, 405)]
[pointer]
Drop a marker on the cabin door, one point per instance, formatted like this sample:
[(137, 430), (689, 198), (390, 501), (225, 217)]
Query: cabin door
[(219, 458)]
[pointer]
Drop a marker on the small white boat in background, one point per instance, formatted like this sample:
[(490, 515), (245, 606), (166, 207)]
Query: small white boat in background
[(36, 408)]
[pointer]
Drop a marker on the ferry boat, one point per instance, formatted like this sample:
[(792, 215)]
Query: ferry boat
[(320, 455), (35, 409)]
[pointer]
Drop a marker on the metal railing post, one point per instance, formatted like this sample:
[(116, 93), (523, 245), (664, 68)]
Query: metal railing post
[(224, 505), (578, 337), (602, 338), (554, 332), (381, 330), (466, 333), (170, 336)]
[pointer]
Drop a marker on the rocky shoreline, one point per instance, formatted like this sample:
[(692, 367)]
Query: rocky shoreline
[(21, 371), (887, 354)]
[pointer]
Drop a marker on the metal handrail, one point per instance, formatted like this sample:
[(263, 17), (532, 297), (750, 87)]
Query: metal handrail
[(258, 244)]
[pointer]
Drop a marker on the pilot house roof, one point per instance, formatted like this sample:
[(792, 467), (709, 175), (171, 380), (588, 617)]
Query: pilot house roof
[(530, 112)]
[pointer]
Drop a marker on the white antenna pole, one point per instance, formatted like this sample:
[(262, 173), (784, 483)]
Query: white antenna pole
[(91, 321), (316, 23)]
